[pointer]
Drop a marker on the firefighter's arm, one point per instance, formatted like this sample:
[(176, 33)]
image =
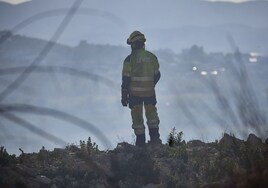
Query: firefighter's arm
[(124, 90), (157, 73), (125, 82), (157, 77)]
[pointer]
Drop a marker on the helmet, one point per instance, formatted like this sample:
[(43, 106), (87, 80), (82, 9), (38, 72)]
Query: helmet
[(135, 36)]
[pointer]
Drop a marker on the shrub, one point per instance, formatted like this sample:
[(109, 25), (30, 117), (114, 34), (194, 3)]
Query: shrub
[(175, 138), (5, 158)]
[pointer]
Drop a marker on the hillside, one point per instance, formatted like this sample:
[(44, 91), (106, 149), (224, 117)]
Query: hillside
[(229, 162)]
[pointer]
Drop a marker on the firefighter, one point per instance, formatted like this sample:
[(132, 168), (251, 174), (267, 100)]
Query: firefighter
[(139, 76)]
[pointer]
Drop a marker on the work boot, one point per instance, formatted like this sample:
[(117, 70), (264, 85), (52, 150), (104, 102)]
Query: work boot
[(140, 140), (154, 136)]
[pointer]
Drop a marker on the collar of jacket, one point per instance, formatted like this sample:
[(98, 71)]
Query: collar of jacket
[(138, 50)]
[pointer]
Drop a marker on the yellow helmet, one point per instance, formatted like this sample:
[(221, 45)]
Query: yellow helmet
[(135, 36)]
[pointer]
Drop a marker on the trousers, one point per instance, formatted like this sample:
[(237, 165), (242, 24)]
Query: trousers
[(137, 104)]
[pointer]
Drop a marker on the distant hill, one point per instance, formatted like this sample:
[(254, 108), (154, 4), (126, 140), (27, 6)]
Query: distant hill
[(174, 25), (23, 49)]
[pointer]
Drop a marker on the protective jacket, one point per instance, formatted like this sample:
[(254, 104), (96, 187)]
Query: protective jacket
[(140, 73)]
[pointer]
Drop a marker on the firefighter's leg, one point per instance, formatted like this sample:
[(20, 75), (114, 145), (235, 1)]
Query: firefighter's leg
[(138, 125), (153, 123)]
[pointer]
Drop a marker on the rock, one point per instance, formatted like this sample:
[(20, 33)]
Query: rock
[(124, 146), (100, 186), (54, 186), (224, 183), (69, 178), (58, 181), (266, 142), (74, 184), (230, 141), (60, 151), (254, 140), (43, 179), (195, 143), (27, 170), (150, 185)]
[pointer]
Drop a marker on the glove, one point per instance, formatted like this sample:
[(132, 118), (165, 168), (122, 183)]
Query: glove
[(124, 97)]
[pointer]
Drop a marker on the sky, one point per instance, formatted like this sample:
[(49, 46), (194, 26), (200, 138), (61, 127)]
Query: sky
[(20, 1)]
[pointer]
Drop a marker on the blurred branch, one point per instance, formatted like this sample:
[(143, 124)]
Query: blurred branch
[(63, 70), (58, 12), (212, 114), (223, 102), (23, 88), (49, 45), (32, 128), (247, 103), (25, 108)]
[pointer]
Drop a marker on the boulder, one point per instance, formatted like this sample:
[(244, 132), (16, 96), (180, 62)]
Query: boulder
[(151, 185), (43, 179), (58, 180), (26, 170), (230, 141), (54, 186), (195, 143), (254, 140)]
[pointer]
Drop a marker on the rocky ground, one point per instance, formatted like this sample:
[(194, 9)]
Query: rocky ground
[(229, 162)]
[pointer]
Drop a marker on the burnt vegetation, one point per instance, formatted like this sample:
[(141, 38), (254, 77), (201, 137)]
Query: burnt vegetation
[(229, 162)]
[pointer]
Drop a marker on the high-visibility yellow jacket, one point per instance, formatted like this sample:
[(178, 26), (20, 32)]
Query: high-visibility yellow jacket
[(140, 68)]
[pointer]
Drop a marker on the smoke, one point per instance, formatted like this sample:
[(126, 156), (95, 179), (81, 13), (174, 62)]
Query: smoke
[(249, 110), (230, 99), (6, 109), (64, 70), (32, 128), (25, 108), (50, 44)]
